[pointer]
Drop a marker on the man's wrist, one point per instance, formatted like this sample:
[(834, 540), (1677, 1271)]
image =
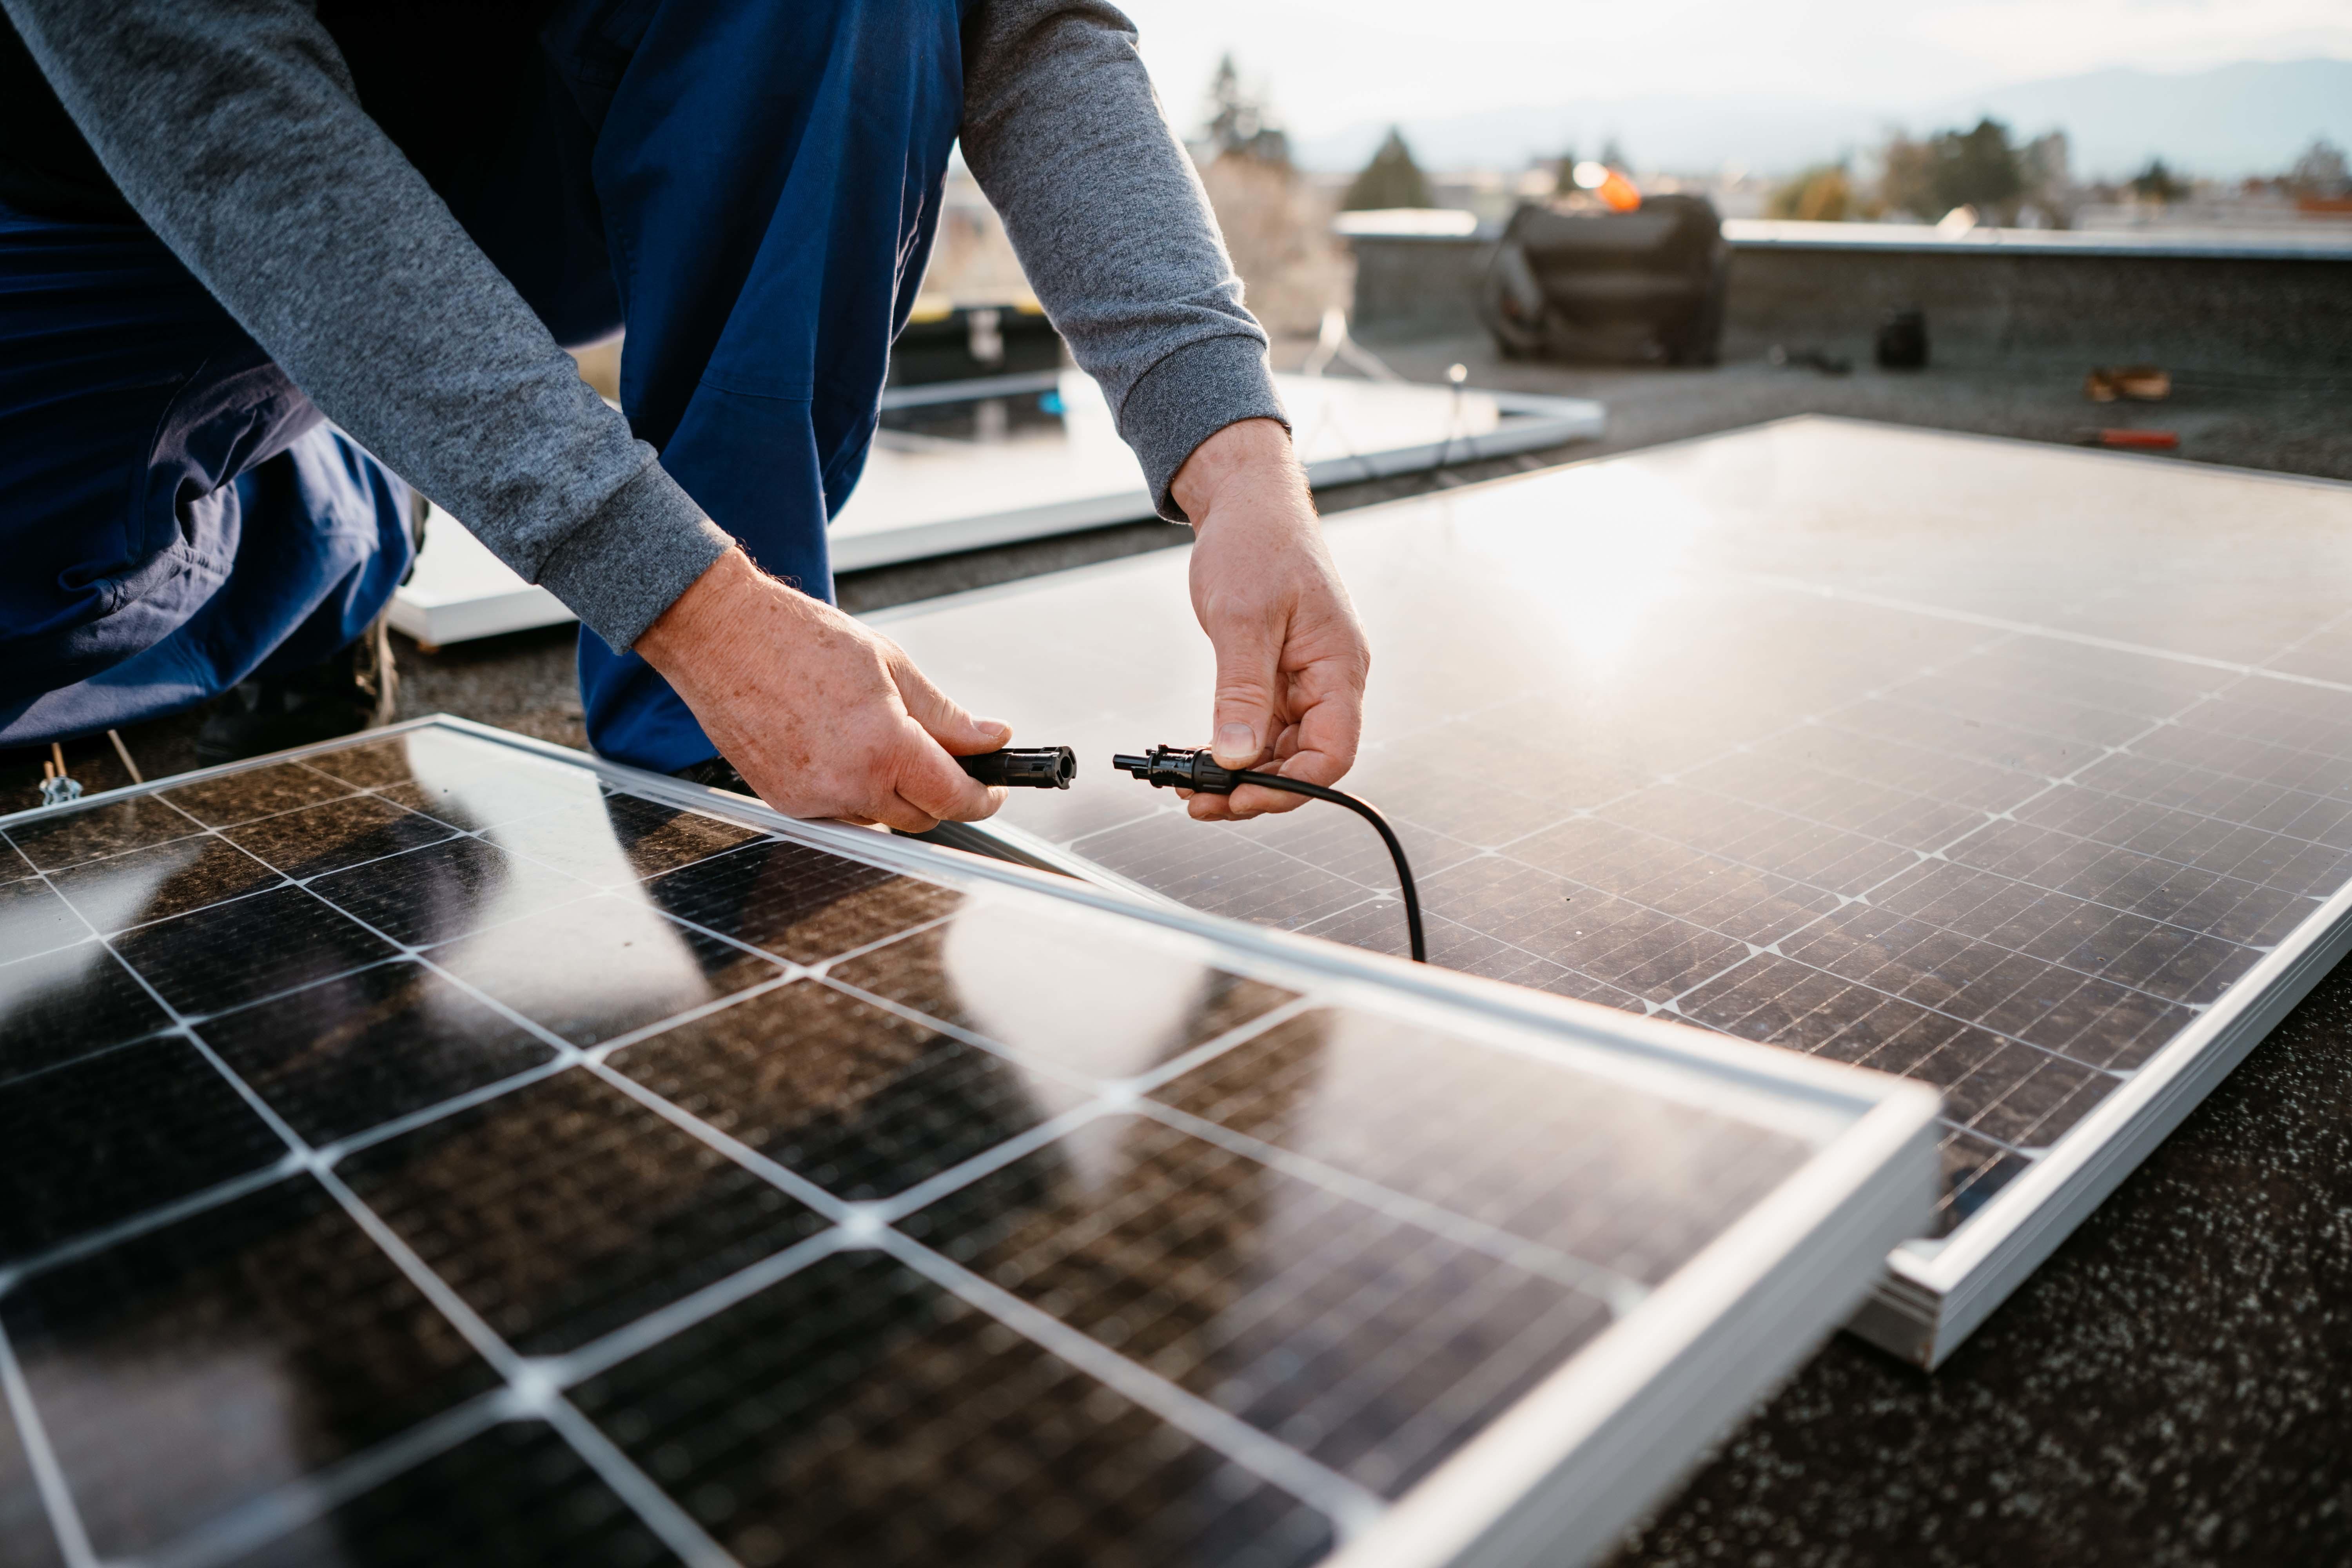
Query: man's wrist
[(692, 613), (1249, 456), (619, 569)]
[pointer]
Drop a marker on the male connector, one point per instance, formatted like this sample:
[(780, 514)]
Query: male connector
[(1184, 767), (1024, 767), (1180, 767)]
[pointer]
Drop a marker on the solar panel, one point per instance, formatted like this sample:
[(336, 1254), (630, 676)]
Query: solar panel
[(442, 1148), (962, 465), (2018, 771)]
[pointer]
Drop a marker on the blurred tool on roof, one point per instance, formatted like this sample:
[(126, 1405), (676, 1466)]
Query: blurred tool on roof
[(1901, 343), (1596, 272), (2139, 382), (962, 342), (1820, 360), (2131, 440)]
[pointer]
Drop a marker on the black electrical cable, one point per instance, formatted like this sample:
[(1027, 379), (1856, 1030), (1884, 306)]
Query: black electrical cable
[(1183, 767)]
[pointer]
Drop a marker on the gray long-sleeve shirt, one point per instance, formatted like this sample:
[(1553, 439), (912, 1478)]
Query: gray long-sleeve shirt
[(234, 129)]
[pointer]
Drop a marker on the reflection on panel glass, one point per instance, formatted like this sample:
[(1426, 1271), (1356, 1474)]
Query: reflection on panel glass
[(368, 1120), (345, 1055), (566, 1209), (211, 1359), (856, 1414), (69, 1003), (1986, 764), (1374, 1344), (26, 1538), (116, 1133), (1099, 1002), (862, 1101), (1621, 1178), (515, 1497)]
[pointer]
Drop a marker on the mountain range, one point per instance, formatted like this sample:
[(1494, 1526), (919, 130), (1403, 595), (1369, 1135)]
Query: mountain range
[(2248, 118)]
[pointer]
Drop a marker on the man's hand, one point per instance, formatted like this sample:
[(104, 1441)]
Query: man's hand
[(1291, 659), (821, 716)]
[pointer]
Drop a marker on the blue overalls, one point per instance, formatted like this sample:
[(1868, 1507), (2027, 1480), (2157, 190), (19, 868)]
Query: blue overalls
[(748, 188)]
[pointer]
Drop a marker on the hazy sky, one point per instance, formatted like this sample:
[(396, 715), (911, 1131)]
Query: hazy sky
[(1331, 63)]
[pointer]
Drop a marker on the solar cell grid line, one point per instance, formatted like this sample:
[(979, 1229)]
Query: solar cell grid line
[(1895, 747), (69, 1538), (263, 1528), (1351, 1508), (2039, 629), (1621, 1292), (347, 1164)]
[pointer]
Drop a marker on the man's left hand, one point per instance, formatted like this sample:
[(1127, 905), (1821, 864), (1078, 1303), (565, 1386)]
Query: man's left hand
[(1291, 658)]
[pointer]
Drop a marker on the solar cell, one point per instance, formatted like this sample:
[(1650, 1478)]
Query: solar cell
[(541, 1161), (2019, 771)]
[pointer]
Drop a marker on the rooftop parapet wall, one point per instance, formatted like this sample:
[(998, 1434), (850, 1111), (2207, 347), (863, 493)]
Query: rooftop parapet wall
[(2260, 301)]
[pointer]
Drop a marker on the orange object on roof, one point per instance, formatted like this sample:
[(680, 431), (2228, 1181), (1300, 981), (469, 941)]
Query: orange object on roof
[(1612, 187)]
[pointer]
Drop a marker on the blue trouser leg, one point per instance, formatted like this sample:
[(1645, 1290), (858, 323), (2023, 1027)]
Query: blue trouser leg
[(173, 516), (766, 174)]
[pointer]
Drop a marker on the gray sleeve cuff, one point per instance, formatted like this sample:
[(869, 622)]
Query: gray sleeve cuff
[(632, 557), (1188, 397)]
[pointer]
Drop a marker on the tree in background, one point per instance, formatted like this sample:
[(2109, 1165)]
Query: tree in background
[(1822, 193), (2321, 172), (1976, 168), (1240, 124), (2158, 184), (2048, 164), (1390, 180), (1563, 172), (1906, 178), (1278, 225)]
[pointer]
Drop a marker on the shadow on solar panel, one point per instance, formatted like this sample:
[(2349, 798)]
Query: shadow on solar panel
[(441, 1149)]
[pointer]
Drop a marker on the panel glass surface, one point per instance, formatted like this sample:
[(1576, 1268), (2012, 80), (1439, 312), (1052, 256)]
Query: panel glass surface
[(1987, 764), (424, 1152)]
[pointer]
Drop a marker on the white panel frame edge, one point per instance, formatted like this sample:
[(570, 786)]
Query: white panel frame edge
[(1562, 1473), (1936, 1293)]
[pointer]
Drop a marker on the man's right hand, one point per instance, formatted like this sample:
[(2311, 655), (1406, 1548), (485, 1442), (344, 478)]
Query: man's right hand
[(820, 715)]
